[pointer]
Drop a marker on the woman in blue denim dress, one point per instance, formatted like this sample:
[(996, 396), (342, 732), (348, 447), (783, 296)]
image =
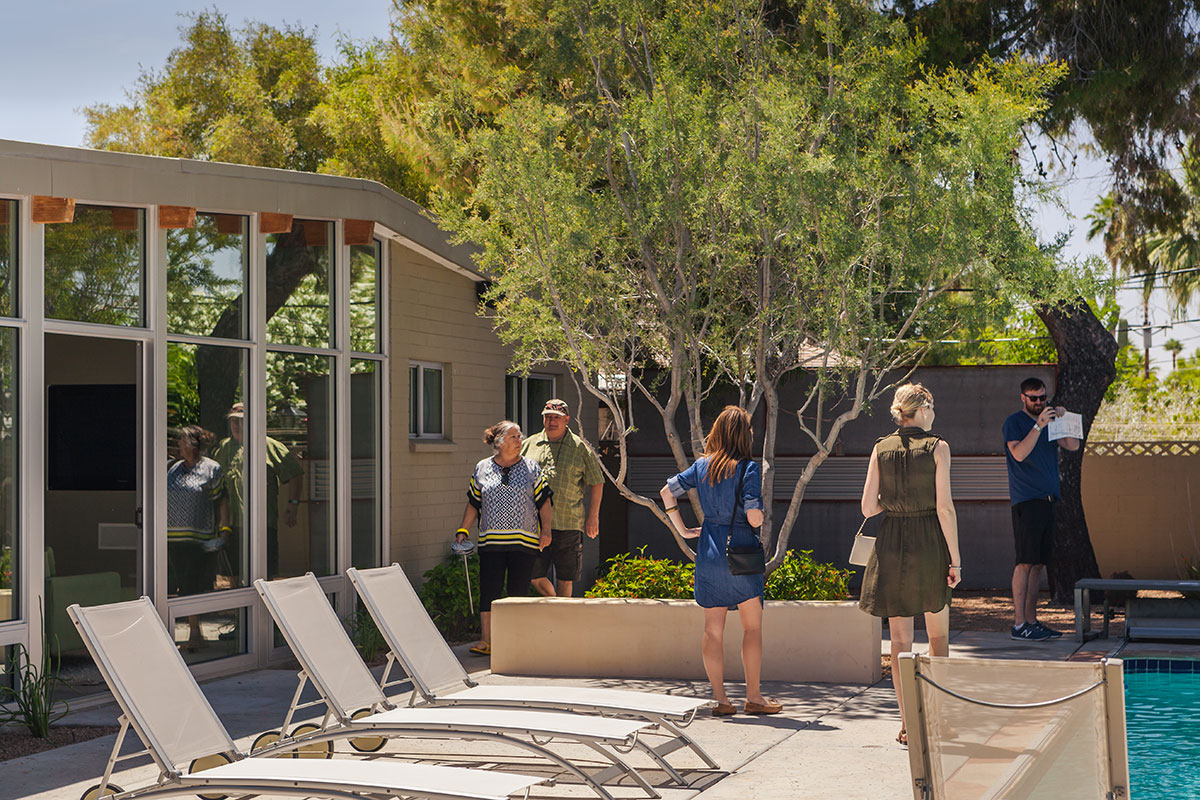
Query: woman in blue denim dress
[(715, 479)]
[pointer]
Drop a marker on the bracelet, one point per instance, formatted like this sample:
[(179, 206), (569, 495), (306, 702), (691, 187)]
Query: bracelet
[(225, 528), (956, 566), (669, 510), (463, 531)]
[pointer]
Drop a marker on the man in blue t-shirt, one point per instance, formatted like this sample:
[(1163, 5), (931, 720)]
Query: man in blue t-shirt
[(1033, 489)]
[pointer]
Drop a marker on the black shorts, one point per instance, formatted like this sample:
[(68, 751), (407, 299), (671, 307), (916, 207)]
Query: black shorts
[(1033, 530), (565, 553)]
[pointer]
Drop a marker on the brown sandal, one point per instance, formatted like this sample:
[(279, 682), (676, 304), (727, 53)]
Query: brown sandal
[(770, 707), (902, 737)]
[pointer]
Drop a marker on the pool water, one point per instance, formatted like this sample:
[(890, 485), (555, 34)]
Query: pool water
[(1162, 719)]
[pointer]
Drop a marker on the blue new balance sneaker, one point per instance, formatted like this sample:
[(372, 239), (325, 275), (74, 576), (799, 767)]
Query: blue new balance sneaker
[(1053, 633), (1029, 633)]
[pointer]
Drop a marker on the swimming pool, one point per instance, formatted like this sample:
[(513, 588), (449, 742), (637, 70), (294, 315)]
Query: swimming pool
[(1162, 719)]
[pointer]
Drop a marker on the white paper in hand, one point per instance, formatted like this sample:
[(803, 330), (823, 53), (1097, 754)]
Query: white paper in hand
[(1069, 424)]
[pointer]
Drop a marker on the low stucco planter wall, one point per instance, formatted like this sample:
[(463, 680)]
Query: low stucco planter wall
[(809, 641)]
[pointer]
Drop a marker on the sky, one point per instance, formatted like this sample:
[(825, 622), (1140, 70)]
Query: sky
[(75, 53)]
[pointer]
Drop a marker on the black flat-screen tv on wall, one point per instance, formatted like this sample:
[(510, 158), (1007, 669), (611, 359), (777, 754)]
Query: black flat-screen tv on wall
[(91, 437)]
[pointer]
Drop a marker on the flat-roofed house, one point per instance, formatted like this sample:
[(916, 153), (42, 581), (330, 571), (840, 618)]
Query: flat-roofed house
[(211, 373)]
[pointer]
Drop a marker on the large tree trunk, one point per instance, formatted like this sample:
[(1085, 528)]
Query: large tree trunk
[(1087, 356)]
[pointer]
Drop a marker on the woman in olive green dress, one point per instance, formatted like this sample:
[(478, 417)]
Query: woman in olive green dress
[(916, 561)]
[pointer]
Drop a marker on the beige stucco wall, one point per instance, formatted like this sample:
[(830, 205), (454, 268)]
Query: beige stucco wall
[(433, 318), (1142, 513), (823, 642)]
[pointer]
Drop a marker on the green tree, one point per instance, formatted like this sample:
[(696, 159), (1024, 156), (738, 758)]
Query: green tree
[(259, 95), (740, 205), (1132, 72), (239, 96)]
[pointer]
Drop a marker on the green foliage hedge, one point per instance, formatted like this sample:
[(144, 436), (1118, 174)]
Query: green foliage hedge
[(640, 576), (444, 595)]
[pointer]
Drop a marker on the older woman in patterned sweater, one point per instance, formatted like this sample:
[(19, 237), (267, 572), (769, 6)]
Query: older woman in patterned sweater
[(509, 497)]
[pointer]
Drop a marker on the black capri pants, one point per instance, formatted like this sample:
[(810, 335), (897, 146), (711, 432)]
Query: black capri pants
[(505, 567)]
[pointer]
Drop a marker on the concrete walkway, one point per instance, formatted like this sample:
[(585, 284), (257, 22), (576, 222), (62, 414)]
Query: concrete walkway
[(832, 741)]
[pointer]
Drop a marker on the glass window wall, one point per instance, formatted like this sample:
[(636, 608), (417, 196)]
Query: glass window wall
[(299, 285), (207, 545), (9, 541), (206, 277), (96, 265), (9, 216), (212, 635), (301, 508), (364, 298), (365, 391)]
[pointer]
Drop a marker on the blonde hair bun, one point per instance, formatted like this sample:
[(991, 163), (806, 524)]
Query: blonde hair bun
[(909, 398)]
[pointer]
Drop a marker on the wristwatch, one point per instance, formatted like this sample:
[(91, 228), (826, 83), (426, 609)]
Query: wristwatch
[(1037, 427)]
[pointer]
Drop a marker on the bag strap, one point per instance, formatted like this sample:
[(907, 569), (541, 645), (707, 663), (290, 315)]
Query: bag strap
[(737, 503), (860, 527)]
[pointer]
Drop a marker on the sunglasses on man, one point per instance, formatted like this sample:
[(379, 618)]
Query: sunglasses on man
[(1036, 398)]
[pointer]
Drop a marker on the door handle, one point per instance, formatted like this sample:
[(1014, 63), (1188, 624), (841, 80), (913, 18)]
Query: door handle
[(137, 518)]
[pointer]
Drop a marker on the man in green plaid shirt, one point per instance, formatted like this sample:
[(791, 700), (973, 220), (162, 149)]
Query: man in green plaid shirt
[(570, 467)]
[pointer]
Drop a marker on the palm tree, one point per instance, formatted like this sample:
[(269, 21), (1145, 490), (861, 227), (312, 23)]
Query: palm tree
[(1174, 347), (1174, 249)]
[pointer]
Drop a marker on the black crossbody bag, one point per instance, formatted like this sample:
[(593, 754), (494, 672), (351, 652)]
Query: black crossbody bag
[(750, 559)]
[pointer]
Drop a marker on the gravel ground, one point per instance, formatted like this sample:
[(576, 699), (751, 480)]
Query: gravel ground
[(16, 742)]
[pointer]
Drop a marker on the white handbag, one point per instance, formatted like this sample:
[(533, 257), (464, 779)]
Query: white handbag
[(860, 553)]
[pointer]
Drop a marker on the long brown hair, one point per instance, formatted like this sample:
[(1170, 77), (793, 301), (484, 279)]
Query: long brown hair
[(728, 443)]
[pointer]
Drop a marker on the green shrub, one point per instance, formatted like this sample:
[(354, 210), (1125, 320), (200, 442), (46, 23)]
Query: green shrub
[(641, 576), (365, 634), (801, 578), (445, 597), (31, 703), (797, 578)]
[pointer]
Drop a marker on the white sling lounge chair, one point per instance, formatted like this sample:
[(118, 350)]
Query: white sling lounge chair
[(988, 728), (357, 709), (161, 701), (414, 641)]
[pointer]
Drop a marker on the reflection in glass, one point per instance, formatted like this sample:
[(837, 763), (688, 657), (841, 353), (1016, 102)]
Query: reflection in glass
[(364, 297), (206, 479), (365, 391), (93, 543), (206, 277), (300, 446), (299, 293), (431, 401), (539, 391), (8, 257), (213, 635), (95, 266), (8, 476)]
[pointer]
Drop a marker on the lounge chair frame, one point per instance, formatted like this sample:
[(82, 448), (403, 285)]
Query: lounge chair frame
[(244, 775), (385, 719), (455, 687), (910, 672)]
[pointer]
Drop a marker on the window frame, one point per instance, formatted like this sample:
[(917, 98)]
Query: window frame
[(523, 400), (416, 392)]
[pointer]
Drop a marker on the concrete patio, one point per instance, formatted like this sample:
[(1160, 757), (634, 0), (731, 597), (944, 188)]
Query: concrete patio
[(832, 741)]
